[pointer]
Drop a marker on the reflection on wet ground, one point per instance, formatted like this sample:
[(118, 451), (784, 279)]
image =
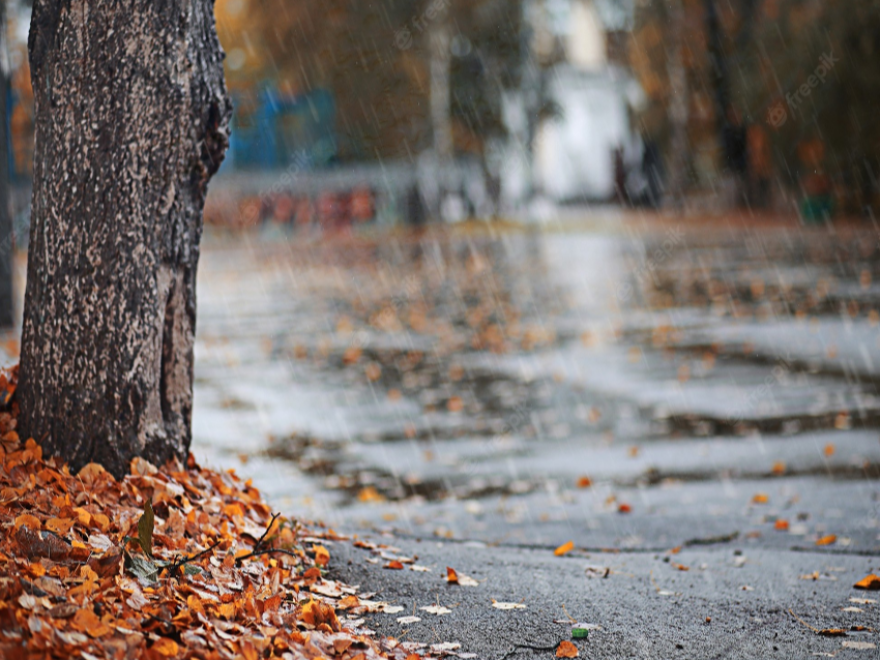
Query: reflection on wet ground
[(447, 370)]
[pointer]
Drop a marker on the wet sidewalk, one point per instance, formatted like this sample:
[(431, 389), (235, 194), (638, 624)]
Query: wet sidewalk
[(697, 411)]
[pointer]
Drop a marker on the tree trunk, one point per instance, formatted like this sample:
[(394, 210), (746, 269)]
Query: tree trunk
[(678, 108), (132, 121), (439, 43), (7, 237)]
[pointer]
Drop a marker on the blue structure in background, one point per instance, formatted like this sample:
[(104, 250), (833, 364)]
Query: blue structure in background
[(271, 131)]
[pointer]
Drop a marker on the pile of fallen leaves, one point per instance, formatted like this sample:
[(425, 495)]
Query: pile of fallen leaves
[(179, 562)]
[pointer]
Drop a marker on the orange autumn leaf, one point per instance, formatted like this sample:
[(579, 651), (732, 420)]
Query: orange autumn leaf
[(781, 525), (317, 613), (869, 583), (564, 549), (584, 482), (60, 525), (624, 508), (166, 647), (233, 510), (760, 498), (347, 603), (322, 555), (779, 468), (101, 521), (831, 539), (829, 450), (566, 650), (226, 611), (394, 565), (29, 521), (83, 516), (373, 372), (85, 620), (194, 603), (32, 451), (341, 645), (451, 575)]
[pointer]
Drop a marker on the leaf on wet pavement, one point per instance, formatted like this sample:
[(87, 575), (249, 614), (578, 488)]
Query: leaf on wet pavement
[(859, 646), (406, 620), (436, 609), (453, 577), (831, 539), (564, 549), (507, 606), (392, 609), (444, 647), (566, 650), (869, 583)]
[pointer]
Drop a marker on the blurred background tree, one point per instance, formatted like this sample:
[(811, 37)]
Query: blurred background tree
[(374, 60), (343, 81), (759, 63)]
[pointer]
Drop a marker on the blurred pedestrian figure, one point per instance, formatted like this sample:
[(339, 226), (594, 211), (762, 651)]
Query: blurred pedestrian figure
[(620, 178), (760, 167), (652, 168), (736, 155), (415, 207)]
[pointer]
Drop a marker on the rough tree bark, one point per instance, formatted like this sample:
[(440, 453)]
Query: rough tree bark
[(132, 121)]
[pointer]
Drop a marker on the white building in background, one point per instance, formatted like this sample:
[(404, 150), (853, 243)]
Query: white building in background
[(574, 151)]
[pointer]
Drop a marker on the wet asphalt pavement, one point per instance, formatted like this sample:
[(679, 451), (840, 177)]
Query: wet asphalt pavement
[(696, 410)]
